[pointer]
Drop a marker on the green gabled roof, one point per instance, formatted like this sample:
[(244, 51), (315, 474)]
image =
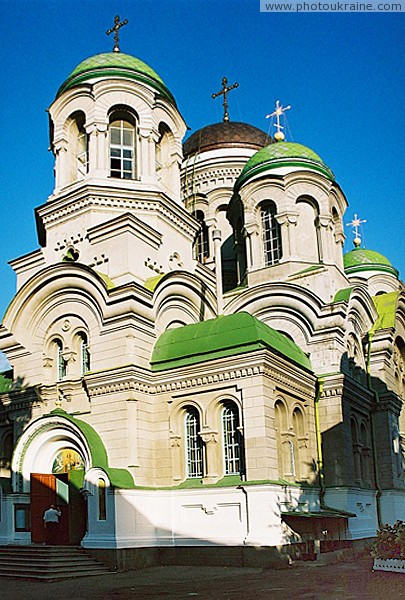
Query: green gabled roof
[(343, 295), (386, 305), (152, 282), (115, 65), (361, 259), (283, 154), (119, 478), (219, 338)]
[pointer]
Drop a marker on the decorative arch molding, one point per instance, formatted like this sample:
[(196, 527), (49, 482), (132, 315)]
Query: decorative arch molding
[(39, 300), (361, 312), (135, 96), (43, 439), (182, 296), (382, 283), (269, 299), (74, 101)]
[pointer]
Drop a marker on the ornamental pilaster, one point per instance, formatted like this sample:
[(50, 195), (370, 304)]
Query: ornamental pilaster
[(210, 439), (147, 158), (253, 246), (288, 222), (60, 148), (325, 238)]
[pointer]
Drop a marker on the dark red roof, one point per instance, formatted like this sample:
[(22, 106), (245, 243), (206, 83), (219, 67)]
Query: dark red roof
[(226, 135)]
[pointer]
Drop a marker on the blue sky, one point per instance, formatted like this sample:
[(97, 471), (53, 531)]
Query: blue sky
[(343, 74)]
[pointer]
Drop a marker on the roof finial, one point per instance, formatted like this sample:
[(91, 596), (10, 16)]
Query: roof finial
[(115, 30), (356, 223), (223, 92), (280, 110)]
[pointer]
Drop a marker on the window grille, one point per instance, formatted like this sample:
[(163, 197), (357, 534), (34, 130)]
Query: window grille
[(271, 235), (122, 150), (194, 449), (231, 440)]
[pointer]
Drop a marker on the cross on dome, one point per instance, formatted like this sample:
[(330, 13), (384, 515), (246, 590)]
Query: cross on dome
[(279, 112), (356, 223), (223, 92), (115, 30)]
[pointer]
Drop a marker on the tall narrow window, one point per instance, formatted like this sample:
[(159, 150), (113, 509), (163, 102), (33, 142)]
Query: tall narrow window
[(78, 147), (231, 439), (201, 242), (61, 362), (291, 456), (84, 354), (271, 234), (102, 504), (122, 146), (194, 448)]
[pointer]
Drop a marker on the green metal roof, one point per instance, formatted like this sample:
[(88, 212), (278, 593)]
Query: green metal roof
[(222, 337), (360, 259), (283, 154), (386, 305), (113, 65)]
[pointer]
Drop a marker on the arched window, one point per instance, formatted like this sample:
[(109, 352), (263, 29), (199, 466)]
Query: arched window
[(307, 230), (201, 242), (78, 146), (61, 362), (194, 448), (84, 354), (271, 234), (231, 439), (280, 414), (299, 442), (102, 500), (122, 145)]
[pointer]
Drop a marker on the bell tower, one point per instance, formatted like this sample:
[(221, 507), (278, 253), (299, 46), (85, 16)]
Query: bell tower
[(116, 135)]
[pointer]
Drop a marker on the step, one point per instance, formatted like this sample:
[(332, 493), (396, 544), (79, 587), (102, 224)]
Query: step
[(48, 562)]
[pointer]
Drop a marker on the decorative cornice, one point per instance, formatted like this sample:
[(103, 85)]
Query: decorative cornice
[(89, 197)]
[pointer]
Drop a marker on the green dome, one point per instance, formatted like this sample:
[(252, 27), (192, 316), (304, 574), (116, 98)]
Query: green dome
[(113, 65), (283, 154), (361, 259)]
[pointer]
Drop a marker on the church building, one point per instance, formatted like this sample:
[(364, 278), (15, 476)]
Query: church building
[(194, 360)]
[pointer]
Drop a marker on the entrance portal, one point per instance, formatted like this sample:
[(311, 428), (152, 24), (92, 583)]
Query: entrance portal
[(62, 490)]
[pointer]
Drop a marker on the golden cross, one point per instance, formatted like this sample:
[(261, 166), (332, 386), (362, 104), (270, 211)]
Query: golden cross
[(223, 92), (115, 30)]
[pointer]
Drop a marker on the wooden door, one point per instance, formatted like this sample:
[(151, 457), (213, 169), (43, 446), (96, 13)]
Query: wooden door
[(43, 494), (45, 490)]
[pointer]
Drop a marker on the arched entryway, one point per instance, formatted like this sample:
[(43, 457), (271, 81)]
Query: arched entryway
[(49, 464)]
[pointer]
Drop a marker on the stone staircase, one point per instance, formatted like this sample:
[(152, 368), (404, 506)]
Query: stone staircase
[(48, 563)]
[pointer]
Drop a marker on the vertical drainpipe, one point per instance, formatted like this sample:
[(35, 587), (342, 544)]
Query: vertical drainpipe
[(321, 474), (373, 436)]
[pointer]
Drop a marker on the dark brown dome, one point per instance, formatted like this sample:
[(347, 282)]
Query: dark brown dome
[(226, 135)]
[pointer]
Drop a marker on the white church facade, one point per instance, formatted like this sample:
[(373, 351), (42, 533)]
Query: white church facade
[(195, 363)]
